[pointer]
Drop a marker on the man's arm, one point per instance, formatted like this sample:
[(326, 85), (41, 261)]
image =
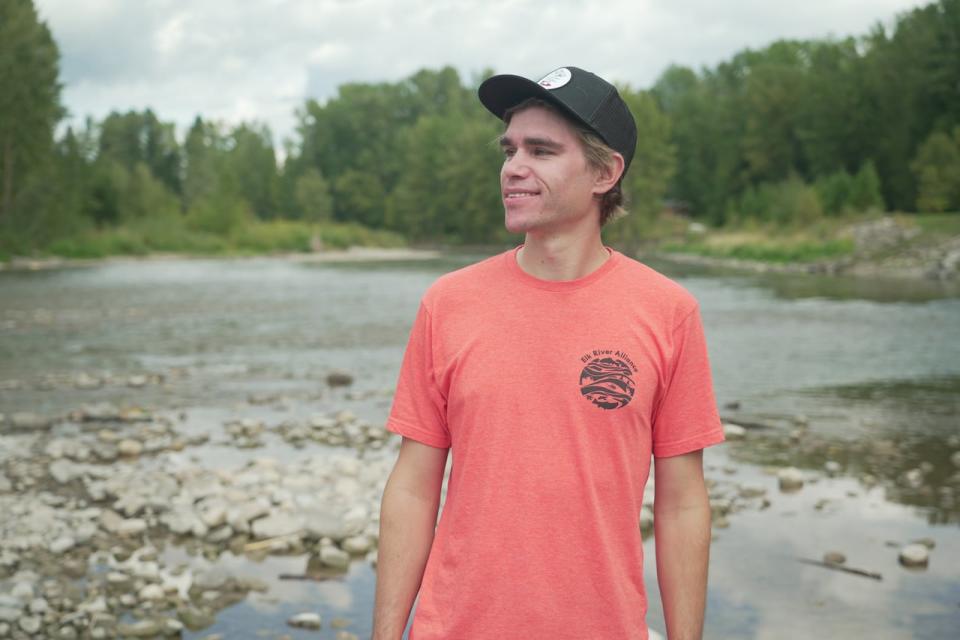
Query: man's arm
[(408, 518), (682, 532)]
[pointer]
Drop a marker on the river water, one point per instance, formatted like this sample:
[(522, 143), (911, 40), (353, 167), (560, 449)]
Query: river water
[(862, 374)]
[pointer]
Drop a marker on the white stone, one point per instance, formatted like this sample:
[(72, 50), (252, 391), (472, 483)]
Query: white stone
[(305, 621), (955, 458), (914, 555), (151, 592), (39, 606), (130, 448), (733, 431), (62, 544), (790, 479), (30, 624), (132, 527), (357, 544), (333, 557), (277, 524), (137, 381), (22, 591)]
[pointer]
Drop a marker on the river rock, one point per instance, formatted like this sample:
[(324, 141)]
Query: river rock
[(834, 557), (914, 555), (131, 527), (790, 479), (137, 381), (955, 459), (214, 578), (151, 592), (22, 589), (142, 628), (85, 381), (305, 621), (39, 606), (29, 421), (30, 624), (195, 618), (357, 545), (130, 448), (346, 635), (733, 431), (277, 524), (9, 614), (339, 379), (332, 556), (832, 467), (62, 544)]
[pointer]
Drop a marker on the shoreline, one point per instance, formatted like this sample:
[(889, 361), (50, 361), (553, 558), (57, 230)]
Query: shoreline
[(941, 270), (353, 254)]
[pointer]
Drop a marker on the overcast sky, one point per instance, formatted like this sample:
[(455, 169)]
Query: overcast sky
[(260, 59)]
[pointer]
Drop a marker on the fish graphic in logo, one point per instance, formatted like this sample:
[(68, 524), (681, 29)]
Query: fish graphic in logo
[(607, 383)]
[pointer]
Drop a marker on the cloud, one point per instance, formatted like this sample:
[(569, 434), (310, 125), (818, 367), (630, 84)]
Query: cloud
[(262, 59)]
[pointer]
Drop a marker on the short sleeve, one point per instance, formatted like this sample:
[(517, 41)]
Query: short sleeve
[(419, 407), (686, 418)]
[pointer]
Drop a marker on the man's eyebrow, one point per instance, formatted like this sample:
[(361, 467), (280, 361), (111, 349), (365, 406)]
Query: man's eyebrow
[(532, 142)]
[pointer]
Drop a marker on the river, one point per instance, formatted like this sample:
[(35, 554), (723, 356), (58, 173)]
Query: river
[(854, 382)]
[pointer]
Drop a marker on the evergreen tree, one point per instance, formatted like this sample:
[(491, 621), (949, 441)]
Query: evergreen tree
[(29, 98)]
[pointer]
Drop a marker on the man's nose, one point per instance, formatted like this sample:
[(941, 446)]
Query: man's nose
[(516, 165)]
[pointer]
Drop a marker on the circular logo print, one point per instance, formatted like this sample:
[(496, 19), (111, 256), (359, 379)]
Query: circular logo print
[(606, 382), (556, 79)]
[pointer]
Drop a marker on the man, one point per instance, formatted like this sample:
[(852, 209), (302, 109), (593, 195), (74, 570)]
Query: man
[(552, 372)]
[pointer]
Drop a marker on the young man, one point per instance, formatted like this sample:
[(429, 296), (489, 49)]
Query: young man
[(552, 372)]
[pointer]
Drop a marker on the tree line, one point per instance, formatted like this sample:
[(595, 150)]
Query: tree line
[(786, 134)]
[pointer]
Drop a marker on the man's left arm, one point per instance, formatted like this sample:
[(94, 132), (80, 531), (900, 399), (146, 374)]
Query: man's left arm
[(682, 538)]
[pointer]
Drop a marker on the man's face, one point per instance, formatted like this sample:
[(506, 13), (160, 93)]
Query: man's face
[(546, 184)]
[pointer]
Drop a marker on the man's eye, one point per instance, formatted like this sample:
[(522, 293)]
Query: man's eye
[(509, 152), (542, 151)]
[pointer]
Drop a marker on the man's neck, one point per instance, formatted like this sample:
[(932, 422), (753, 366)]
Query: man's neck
[(562, 257)]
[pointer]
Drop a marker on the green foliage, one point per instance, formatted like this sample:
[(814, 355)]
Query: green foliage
[(865, 192), (784, 203), (840, 193), (313, 196), (771, 250), (937, 169), (648, 179), (768, 137), (220, 214)]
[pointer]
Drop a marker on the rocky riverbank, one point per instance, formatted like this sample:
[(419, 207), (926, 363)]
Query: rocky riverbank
[(883, 248), (95, 495)]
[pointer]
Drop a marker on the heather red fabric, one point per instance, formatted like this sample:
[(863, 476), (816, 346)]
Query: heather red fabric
[(552, 396)]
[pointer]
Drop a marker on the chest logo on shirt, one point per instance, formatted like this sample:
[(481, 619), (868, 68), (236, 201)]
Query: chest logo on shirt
[(607, 378)]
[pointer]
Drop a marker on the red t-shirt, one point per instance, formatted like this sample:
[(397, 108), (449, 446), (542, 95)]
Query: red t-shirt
[(552, 396)]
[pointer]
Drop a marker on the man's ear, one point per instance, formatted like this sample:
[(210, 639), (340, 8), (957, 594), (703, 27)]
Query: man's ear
[(609, 174)]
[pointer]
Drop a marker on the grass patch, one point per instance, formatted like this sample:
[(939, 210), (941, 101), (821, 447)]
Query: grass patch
[(933, 223), (171, 234)]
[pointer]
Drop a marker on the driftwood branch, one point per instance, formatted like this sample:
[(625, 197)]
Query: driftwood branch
[(268, 543), (873, 575)]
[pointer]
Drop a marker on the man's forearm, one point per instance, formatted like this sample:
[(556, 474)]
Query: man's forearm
[(407, 524), (683, 548)]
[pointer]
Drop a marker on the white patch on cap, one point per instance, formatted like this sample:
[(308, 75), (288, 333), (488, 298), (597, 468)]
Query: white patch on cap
[(556, 79)]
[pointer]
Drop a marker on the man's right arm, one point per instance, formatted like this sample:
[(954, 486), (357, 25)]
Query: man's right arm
[(408, 518)]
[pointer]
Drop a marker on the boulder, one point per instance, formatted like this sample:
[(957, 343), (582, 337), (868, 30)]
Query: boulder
[(790, 479), (305, 621), (915, 556)]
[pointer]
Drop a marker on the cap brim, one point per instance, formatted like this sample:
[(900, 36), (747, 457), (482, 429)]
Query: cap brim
[(502, 92)]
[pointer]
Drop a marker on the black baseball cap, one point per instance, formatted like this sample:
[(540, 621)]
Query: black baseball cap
[(586, 97)]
